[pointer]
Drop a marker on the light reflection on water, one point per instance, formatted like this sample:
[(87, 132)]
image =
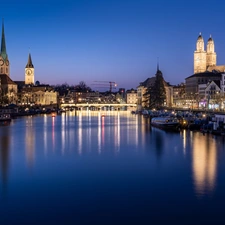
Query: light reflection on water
[(204, 164), (117, 146), (29, 140)]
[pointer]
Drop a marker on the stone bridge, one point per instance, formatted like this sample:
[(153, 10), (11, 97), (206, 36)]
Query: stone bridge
[(100, 106)]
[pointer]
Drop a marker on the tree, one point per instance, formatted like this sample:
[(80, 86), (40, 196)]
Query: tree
[(156, 94), (82, 87), (3, 96), (62, 89)]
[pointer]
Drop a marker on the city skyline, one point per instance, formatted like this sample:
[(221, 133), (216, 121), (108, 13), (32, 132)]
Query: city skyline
[(109, 40)]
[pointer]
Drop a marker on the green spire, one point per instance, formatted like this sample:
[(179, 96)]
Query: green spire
[(29, 62), (3, 45)]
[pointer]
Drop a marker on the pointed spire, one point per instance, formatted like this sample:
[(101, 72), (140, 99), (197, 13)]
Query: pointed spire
[(157, 63), (29, 62), (158, 70), (3, 45)]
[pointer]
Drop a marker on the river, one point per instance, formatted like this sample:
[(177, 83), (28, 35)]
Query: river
[(86, 168)]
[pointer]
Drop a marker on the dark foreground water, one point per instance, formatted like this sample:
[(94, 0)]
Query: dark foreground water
[(88, 169)]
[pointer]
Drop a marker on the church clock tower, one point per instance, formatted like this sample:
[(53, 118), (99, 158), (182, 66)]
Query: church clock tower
[(4, 62), (200, 56), (210, 53), (29, 71)]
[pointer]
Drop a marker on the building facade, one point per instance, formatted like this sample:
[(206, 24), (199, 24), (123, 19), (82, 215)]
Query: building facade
[(131, 96), (142, 98), (192, 82), (8, 88), (206, 60), (179, 95), (38, 95)]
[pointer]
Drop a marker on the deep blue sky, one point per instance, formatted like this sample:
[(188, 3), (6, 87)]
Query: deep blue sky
[(109, 40)]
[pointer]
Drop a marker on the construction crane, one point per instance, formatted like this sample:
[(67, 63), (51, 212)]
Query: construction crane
[(104, 84)]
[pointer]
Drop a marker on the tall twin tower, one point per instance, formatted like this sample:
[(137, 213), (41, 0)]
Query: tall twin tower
[(5, 65), (204, 60)]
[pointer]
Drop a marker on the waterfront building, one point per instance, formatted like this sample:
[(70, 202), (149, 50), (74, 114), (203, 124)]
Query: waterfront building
[(206, 70), (38, 95), (213, 95), (206, 60), (192, 82), (142, 98), (169, 94), (179, 100), (201, 91), (131, 98), (210, 95), (222, 83), (8, 88), (4, 61)]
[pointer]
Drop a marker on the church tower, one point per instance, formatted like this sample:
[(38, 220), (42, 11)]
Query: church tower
[(4, 62), (210, 53), (199, 56), (29, 71)]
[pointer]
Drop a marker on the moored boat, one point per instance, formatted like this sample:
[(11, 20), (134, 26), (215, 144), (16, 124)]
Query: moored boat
[(169, 123), (5, 118)]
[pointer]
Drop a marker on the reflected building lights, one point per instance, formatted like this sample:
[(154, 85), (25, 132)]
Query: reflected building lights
[(30, 141), (132, 124), (142, 130), (53, 134), (136, 131), (117, 134), (103, 131), (89, 131), (63, 135), (45, 134), (204, 165), (184, 135), (99, 133), (80, 133), (128, 128)]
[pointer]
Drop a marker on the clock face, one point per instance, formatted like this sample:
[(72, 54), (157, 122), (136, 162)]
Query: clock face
[(28, 72), (1, 62), (7, 62)]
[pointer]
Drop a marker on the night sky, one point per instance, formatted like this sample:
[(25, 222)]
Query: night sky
[(109, 40)]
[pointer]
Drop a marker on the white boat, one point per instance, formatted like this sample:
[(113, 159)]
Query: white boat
[(165, 122)]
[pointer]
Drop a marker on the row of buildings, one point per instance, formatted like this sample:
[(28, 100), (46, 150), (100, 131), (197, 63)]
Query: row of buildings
[(204, 89), (22, 92)]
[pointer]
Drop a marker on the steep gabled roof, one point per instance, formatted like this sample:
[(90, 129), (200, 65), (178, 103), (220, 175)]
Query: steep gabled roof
[(217, 82), (29, 62), (204, 74), (149, 82), (6, 80)]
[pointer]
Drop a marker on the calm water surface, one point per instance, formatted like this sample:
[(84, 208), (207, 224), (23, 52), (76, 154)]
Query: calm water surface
[(86, 169)]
